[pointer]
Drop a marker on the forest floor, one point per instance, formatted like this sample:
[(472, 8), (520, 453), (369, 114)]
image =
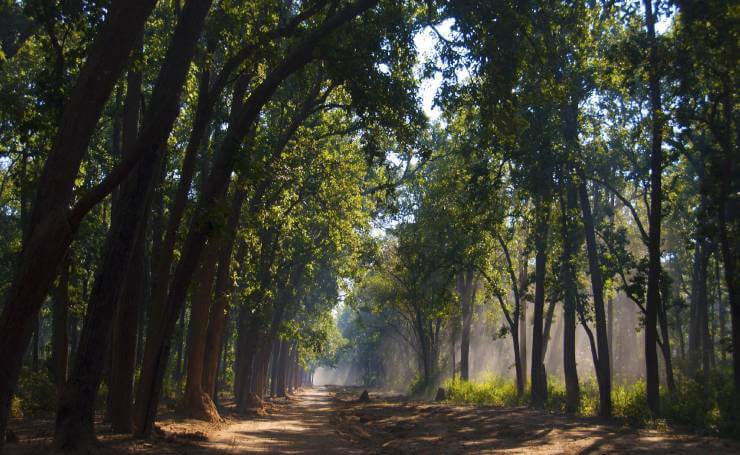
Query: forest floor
[(330, 420)]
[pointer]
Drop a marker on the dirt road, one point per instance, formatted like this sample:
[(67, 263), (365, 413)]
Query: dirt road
[(332, 421), (300, 426)]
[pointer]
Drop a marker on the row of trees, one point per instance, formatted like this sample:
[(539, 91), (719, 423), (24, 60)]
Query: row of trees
[(582, 156), (189, 167)]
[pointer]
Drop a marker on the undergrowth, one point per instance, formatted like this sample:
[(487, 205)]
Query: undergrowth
[(704, 402)]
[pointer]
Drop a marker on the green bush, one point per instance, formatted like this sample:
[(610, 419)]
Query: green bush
[(491, 391), (629, 403), (35, 394), (704, 403)]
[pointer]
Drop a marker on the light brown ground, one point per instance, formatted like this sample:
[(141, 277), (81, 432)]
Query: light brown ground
[(387, 425), (332, 421)]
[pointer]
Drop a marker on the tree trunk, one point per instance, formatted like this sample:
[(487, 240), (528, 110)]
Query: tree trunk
[(602, 365), (699, 315), (466, 291), (59, 341), (50, 232), (539, 377), (75, 413), (549, 316), (164, 247), (202, 226), (196, 402), (123, 351), (125, 319), (570, 300), (222, 294), (656, 198), (518, 365), (666, 340), (523, 317)]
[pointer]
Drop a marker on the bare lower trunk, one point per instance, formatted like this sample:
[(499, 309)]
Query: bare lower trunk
[(222, 294), (196, 402), (123, 351)]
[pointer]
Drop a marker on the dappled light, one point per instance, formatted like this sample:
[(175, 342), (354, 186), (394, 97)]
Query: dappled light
[(369, 226)]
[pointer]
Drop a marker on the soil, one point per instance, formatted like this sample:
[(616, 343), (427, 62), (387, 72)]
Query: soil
[(331, 420)]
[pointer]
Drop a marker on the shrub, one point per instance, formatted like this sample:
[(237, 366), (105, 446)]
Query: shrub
[(491, 391), (35, 394), (704, 402), (629, 403)]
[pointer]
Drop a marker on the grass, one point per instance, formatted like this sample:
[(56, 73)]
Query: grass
[(702, 403)]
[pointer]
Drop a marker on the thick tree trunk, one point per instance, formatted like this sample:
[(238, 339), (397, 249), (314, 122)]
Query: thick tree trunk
[(222, 294), (539, 376), (602, 366), (50, 231), (196, 402), (202, 226), (164, 247), (123, 350), (655, 216), (125, 320), (75, 413)]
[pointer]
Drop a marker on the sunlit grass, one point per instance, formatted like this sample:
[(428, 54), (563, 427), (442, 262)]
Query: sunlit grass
[(702, 403)]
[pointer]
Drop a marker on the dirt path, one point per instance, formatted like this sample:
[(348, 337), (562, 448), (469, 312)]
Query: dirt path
[(301, 426), (397, 426), (332, 421)]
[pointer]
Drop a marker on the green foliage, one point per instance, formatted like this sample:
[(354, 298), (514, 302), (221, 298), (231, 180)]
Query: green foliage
[(703, 404), (36, 394), (491, 391)]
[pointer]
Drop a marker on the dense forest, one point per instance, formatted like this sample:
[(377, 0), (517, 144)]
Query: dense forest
[(498, 202)]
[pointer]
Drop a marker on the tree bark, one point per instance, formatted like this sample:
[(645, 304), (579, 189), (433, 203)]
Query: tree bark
[(539, 376), (602, 366), (123, 350), (126, 314), (59, 338), (74, 429), (656, 198), (222, 294), (202, 226), (50, 231), (283, 360), (466, 291), (523, 318), (196, 402), (570, 299)]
